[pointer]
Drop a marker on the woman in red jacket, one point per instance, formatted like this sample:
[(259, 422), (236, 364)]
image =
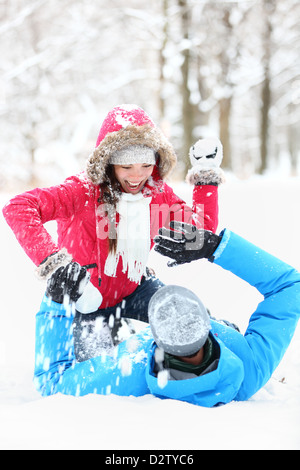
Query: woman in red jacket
[(108, 216)]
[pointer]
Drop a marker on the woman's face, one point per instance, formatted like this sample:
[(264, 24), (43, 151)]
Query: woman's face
[(133, 177)]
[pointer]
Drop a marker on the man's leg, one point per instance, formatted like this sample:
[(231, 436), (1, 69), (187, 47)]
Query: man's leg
[(96, 333), (56, 370), (54, 347)]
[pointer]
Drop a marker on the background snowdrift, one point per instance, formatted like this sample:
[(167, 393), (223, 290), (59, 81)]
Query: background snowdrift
[(264, 210)]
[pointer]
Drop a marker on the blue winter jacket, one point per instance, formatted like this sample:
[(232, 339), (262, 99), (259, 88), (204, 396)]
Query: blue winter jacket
[(246, 361)]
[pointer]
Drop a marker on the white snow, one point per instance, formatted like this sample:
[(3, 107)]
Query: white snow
[(90, 300), (122, 117), (264, 210)]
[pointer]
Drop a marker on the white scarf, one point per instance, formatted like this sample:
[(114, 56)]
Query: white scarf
[(133, 237)]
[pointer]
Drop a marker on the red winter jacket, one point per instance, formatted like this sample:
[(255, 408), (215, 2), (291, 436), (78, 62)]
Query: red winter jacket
[(73, 205)]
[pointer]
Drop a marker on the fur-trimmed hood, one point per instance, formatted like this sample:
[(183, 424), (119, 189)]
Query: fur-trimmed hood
[(127, 125)]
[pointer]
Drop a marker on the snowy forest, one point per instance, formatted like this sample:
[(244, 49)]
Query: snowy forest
[(198, 67)]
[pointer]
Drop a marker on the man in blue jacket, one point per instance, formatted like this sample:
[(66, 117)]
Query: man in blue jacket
[(188, 357)]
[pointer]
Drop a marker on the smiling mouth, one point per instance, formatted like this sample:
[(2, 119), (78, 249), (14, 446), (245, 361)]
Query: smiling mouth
[(133, 185)]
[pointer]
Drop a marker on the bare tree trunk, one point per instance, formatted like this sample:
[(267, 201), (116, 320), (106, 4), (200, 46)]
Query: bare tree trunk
[(293, 145), (162, 60), (266, 97), (33, 179), (225, 102), (224, 119), (187, 107), (201, 117), (265, 123), (32, 121)]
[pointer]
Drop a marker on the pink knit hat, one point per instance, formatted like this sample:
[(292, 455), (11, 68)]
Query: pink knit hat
[(121, 117), (124, 126)]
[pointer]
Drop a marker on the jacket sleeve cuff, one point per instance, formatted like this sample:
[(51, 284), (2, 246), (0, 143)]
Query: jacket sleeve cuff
[(52, 263), (205, 175), (225, 237)]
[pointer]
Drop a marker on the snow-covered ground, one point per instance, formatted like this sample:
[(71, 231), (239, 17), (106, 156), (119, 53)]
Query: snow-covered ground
[(264, 210)]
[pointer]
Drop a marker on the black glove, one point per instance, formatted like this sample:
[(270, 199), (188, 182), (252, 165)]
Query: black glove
[(185, 243), (69, 281)]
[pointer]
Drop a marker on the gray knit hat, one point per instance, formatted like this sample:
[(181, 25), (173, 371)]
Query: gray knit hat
[(179, 321), (133, 154)]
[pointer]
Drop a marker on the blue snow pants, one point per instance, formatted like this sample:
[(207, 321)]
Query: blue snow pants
[(57, 367), (86, 328)]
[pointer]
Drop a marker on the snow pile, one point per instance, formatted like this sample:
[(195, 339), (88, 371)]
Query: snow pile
[(264, 211), (96, 338)]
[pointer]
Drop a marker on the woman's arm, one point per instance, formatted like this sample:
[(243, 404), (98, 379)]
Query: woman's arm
[(28, 212)]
